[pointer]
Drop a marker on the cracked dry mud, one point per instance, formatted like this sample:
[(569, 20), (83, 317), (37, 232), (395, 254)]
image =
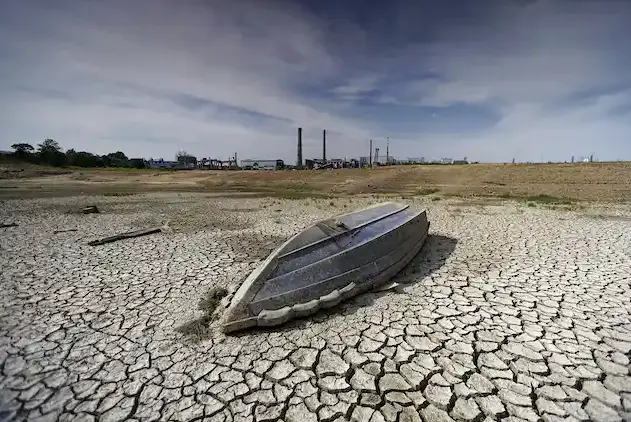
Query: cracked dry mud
[(507, 314)]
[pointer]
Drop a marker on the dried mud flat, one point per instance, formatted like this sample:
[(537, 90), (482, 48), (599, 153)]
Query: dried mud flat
[(509, 313)]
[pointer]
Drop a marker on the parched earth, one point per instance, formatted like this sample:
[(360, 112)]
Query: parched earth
[(509, 313)]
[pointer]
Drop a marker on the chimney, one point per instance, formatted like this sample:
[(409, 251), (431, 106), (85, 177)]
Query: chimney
[(370, 159), (324, 145), (299, 158)]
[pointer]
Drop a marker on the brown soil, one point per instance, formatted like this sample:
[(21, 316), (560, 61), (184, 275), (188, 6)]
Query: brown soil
[(592, 182)]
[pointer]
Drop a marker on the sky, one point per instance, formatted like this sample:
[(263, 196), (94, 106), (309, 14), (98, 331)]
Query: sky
[(490, 80)]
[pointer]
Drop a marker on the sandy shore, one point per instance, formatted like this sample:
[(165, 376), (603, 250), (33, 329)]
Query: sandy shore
[(509, 311)]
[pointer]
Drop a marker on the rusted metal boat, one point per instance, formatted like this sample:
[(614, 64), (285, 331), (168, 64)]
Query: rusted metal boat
[(328, 262)]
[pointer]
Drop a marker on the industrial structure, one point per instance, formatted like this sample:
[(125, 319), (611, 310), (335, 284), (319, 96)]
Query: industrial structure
[(161, 164), (252, 164), (299, 157), (373, 159), (185, 161), (216, 164)]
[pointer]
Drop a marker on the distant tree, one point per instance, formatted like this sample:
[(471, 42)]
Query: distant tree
[(83, 159), (118, 155), (185, 158), (50, 153), (71, 157), (22, 148), (138, 163), (24, 151), (117, 159), (48, 145)]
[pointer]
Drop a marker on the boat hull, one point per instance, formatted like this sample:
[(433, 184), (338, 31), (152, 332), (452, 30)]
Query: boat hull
[(312, 271)]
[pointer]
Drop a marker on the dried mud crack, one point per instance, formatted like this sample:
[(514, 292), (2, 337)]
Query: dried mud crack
[(510, 313)]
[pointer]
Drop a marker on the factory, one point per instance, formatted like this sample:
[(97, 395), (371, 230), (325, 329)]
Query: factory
[(321, 163)]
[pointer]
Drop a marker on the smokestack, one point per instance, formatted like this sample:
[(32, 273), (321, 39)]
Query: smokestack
[(388, 150), (236, 163), (324, 145), (370, 159), (299, 158)]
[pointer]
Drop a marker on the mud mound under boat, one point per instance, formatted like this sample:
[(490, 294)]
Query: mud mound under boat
[(328, 262)]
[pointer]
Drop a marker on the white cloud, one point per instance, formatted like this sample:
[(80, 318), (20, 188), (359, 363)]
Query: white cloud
[(357, 88), (149, 78)]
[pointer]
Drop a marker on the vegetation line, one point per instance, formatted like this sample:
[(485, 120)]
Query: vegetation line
[(50, 153)]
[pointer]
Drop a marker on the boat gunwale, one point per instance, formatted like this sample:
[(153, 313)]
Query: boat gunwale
[(347, 250), (402, 208)]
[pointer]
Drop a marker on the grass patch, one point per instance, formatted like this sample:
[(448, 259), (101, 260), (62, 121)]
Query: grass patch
[(426, 191), (198, 329), (548, 199), (572, 207)]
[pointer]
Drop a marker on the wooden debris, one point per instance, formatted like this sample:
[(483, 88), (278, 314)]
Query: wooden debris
[(8, 225), (91, 209), (64, 231), (122, 236)]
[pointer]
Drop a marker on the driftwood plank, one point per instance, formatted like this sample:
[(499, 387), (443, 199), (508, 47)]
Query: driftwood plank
[(122, 236), (8, 225), (90, 209)]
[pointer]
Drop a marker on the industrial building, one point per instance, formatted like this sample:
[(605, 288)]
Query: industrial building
[(315, 163), (334, 163), (161, 164), (416, 160), (263, 164)]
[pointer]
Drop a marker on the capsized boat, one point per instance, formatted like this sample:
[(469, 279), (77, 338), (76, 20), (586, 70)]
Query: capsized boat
[(328, 262)]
